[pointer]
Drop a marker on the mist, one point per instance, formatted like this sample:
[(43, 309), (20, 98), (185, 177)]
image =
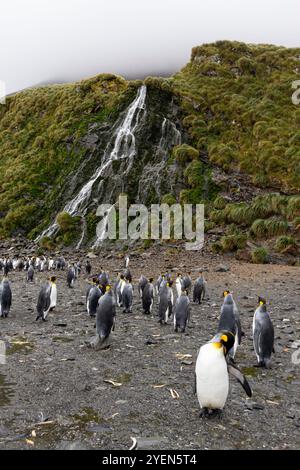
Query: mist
[(65, 40)]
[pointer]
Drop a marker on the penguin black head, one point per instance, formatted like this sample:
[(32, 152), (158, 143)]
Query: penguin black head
[(52, 278), (170, 283), (224, 339), (151, 279), (122, 276), (262, 304)]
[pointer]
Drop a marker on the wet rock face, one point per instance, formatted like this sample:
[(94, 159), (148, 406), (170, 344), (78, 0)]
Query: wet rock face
[(128, 154), (147, 175)]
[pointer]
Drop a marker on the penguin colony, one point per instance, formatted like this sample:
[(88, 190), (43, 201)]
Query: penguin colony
[(215, 360)]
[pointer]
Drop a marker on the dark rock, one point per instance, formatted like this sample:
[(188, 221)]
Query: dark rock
[(222, 268)]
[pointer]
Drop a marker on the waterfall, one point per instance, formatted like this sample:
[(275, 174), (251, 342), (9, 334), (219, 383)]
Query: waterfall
[(123, 143), (170, 136), (102, 228)]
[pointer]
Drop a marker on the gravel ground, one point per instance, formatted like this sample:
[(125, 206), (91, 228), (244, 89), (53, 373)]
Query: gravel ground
[(53, 393)]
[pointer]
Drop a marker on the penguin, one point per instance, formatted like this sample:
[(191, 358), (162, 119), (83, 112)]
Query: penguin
[(126, 261), (178, 284), (71, 276), (163, 304), (103, 279), (127, 275), (142, 282), (53, 294), (230, 321), (44, 301), (170, 295), (182, 312), (50, 264), (212, 374), (199, 289), (6, 267), (92, 298), (158, 282), (105, 317), (88, 267), (127, 297), (187, 282), (21, 265), (263, 335), (30, 274), (5, 298), (148, 297), (77, 269), (119, 289)]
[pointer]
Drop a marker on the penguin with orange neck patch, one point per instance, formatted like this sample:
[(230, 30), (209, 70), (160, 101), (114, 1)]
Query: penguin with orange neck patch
[(212, 374), (263, 334), (230, 321)]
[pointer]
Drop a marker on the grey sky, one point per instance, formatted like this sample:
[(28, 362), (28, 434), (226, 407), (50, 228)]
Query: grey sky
[(43, 40)]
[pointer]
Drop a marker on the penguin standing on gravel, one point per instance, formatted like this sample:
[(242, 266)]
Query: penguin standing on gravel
[(92, 298), (105, 318), (30, 273), (53, 294), (71, 276), (44, 300), (88, 267), (263, 335), (126, 261), (170, 296), (187, 282), (103, 279), (163, 304), (199, 289), (5, 298), (148, 297), (230, 321), (142, 282), (127, 297), (119, 287), (178, 284), (212, 374), (181, 312)]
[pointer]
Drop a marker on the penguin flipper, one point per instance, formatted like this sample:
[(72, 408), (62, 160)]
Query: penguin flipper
[(195, 384), (233, 370)]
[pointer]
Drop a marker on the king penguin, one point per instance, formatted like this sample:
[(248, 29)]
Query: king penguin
[(5, 298), (148, 297), (53, 294), (182, 312), (211, 374), (263, 335), (71, 276), (163, 303), (127, 297), (106, 315), (199, 289), (92, 298), (230, 321), (142, 282), (44, 301), (178, 284), (30, 273)]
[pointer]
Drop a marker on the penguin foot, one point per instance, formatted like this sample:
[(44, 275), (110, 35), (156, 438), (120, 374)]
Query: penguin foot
[(209, 413)]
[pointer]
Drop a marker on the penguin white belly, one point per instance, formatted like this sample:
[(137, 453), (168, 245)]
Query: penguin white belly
[(254, 327), (212, 377), (178, 288), (53, 297)]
